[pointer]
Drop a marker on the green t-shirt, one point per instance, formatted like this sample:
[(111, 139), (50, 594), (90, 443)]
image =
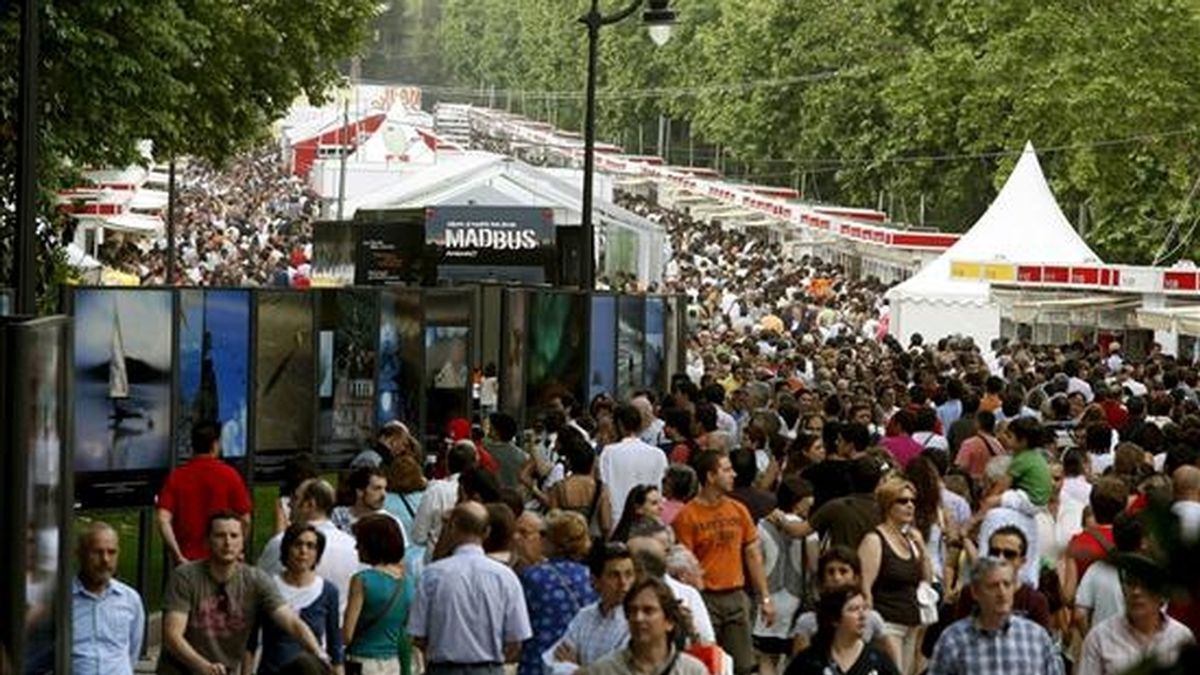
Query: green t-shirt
[(1031, 473)]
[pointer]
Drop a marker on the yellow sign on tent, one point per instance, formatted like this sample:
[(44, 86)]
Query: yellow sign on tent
[(965, 270)]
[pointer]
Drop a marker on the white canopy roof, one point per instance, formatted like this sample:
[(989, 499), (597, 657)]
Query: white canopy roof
[(1024, 224)]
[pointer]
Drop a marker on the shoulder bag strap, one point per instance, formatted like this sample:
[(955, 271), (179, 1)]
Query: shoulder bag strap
[(595, 498), (364, 626), (1100, 539), (566, 584), (407, 507)]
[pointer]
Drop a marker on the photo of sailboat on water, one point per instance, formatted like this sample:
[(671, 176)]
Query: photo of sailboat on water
[(123, 379)]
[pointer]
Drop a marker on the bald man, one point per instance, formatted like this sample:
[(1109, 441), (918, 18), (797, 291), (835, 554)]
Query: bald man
[(468, 615), (650, 556), (108, 620), (1186, 483)]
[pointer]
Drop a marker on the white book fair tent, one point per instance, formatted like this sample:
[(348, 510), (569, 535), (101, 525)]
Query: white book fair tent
[(1023, 225)]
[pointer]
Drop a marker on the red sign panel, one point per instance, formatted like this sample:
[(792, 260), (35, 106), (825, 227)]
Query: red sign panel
[(1056, 275), (1085, 275), (1179, 281), (1029, 273)]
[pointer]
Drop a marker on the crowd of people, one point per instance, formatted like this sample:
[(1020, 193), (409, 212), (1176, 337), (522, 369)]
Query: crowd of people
[(246, 224), (811, 496)]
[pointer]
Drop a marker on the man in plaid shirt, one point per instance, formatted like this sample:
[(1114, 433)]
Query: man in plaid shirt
[(994, 640)]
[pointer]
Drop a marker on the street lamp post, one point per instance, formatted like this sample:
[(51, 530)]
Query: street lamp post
[(658, 17)]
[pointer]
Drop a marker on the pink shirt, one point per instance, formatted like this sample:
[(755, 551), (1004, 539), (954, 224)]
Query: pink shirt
[(902, 447)]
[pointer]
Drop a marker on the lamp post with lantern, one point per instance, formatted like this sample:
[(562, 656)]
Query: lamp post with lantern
[(658, 18)]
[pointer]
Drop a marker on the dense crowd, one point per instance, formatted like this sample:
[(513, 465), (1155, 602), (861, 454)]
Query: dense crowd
[(811, 496), (245, 224)]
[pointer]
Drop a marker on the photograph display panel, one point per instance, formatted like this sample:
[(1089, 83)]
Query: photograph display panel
[(602, 359), (348, 325), (285, 382), (447, 377), (516, 345), (123, 393), (398, 390), (656, 329), (40, 431), (631, 340), (557, 347), (214, 368)]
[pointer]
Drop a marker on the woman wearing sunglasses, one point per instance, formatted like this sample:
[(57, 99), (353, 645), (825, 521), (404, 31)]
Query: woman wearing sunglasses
[(894, 563)]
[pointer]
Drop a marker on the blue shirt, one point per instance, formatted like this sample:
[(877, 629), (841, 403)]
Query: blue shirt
[(555, 591), (949, 413), (594, 635), (108, 629), (467, 607)]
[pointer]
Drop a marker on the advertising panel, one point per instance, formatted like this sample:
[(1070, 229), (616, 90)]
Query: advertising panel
[(557, 347), (284, 376), (602, 358), (348, 325), (631, 341), (214, 368), (652, 376), (447, 376), (500, 243), (334, 245), (123, 392), (516, 344), (398, 392)]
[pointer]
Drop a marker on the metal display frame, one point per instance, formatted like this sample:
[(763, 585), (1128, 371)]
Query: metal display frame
[(17, 337)]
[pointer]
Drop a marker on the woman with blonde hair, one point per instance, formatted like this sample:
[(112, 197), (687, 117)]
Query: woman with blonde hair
[(894, 563), (555, 590)]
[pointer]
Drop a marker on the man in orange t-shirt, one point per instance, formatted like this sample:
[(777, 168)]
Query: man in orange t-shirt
[(723, 537)]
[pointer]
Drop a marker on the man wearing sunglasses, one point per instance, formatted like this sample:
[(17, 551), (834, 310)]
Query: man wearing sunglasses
[(1008, 543)]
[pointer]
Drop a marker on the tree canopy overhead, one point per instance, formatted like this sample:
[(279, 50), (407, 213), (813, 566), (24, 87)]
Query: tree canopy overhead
[(196, 77), (928, 102)]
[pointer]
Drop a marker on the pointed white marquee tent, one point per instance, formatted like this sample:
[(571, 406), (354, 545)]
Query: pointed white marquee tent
[(1024, 225)]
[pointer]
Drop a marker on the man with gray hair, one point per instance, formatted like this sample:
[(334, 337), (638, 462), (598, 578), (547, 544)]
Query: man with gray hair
[(994, 641), (650, 556), (107, 616)]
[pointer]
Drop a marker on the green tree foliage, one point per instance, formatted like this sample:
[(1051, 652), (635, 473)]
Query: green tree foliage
[(204, 78), (912, 99)]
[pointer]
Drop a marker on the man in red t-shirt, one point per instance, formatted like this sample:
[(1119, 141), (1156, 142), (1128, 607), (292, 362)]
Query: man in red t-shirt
[(195, 491)]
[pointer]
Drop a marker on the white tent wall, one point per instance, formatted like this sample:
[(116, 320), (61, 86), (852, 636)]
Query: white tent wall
[(935, 320)]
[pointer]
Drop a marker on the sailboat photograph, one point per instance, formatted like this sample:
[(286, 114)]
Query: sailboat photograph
[(123, 378), (123, 407)]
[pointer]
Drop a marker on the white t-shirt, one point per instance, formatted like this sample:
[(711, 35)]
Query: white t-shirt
[(1189, 519), (1100, 591), (627, 464)]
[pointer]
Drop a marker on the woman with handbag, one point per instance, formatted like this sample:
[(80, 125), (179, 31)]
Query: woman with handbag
[(556, 589), (377, 609), (894, 565)]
